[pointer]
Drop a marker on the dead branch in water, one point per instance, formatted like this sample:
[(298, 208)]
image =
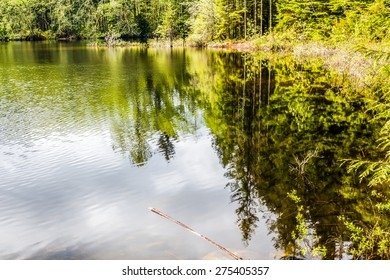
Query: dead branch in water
[(194, 232)]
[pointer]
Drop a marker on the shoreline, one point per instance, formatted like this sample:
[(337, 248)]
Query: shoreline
[(362, 63)]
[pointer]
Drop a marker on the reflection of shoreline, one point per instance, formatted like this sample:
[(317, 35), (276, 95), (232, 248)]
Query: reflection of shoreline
[(263, 120), (261, 133), (76, 198)]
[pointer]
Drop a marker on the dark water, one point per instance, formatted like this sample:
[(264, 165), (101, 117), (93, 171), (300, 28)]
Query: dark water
[(230, 144)]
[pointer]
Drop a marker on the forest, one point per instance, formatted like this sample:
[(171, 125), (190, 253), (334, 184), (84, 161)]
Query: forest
[(197, 21)]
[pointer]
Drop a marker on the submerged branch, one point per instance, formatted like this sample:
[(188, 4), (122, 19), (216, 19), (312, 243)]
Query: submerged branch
[(154, 210)]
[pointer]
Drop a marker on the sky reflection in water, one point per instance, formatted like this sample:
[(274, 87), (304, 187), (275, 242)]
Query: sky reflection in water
[(68, 189)]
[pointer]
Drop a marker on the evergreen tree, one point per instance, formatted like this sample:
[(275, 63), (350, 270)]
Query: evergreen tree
[(306, 17), (204, 20), (168, 28)]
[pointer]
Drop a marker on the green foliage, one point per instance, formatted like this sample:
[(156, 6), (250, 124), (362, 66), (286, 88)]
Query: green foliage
[(144, 29), (371, 239), (203, 21), (306, 241), (364, 22), (259, 110), (281, 127), (368, 243), (168, 28), (378, 172), (306, 18)]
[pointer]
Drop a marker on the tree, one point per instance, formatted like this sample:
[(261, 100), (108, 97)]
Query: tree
[(201, 20), (306, 18), (168, 28), (204, 20)]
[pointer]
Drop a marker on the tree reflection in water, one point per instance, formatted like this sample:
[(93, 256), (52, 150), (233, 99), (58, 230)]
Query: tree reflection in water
[(154, 106), (280, 128)]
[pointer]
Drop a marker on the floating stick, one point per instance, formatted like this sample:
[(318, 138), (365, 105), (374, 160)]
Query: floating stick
[(194, 232)]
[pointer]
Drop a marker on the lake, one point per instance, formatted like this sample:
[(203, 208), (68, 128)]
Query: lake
[(244, 150)]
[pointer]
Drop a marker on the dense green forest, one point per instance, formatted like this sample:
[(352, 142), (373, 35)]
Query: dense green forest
[(197, 21)]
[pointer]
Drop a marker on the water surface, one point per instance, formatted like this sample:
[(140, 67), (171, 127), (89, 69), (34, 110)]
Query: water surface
[(90, 138)]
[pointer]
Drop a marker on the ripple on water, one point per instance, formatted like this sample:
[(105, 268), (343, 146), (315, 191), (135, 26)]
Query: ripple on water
[(84, 150)]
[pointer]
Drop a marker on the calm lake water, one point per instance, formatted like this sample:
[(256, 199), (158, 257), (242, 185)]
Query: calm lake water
[(90, 138)]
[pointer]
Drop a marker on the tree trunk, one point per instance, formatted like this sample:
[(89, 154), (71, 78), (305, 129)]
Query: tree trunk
[(261, 18), (270, 16), (255, 17), (245, 19)]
